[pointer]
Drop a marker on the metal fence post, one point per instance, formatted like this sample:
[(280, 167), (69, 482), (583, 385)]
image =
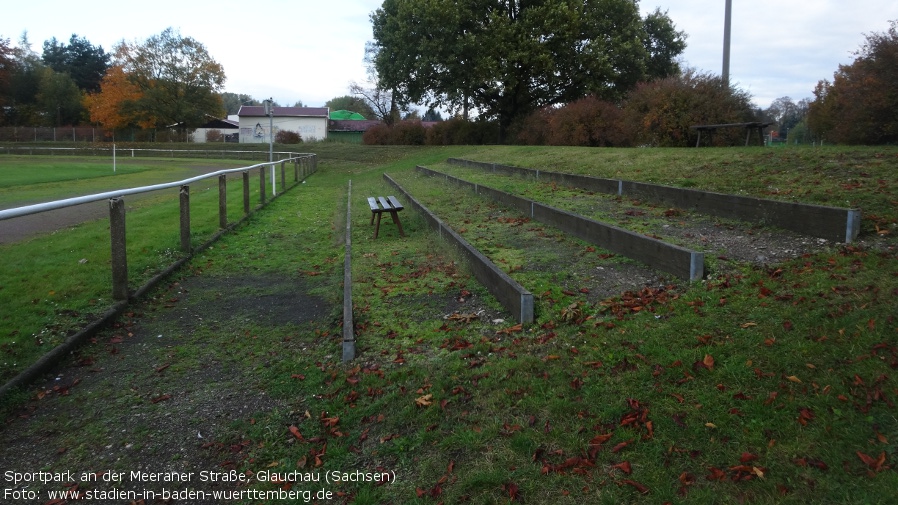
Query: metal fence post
[(262, 185), (185, 218), (119, 253), (222, 201), (246, 191), (295, 170)]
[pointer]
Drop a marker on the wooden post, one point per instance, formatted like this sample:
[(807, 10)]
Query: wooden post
[(262, 185), (119, 253), (185, 218), (283, 177), (246, 191), (295, 170), (222, 201)]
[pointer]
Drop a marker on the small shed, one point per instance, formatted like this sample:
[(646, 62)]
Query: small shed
[(310, 122), (228, 131)]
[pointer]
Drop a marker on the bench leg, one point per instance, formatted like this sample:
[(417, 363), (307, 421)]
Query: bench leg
[(372, 217), (377, 227), (395, 216)]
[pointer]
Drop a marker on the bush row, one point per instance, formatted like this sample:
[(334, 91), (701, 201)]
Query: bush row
[(658, 113)]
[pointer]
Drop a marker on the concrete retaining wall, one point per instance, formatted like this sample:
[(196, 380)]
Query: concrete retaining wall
[(679, 261), (831, 223), (510, 294)]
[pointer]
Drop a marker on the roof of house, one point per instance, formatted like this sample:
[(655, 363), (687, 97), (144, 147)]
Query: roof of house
[(259, 111), (221, 124)]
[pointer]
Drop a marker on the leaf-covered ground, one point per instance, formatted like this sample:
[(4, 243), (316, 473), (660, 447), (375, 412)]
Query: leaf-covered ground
[(768, 382)]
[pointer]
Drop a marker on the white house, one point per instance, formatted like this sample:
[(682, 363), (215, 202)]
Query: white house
[(309, 122)]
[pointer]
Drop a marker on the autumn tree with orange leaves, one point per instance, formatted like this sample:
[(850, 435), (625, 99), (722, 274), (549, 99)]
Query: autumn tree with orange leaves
[(164, 81), (858, 106)]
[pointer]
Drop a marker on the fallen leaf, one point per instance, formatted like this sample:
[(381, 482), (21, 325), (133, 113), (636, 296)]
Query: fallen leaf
[(295, 432), (424, 401), (711, 425), (793, 378), (639, 487), (623, 466), (708, 361)]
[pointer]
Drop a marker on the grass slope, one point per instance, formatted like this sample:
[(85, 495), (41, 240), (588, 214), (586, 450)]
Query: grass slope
[(761, 384)]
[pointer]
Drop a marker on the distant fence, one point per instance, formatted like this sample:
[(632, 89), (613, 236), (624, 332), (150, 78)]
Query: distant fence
[(179, 152), (89, 134)]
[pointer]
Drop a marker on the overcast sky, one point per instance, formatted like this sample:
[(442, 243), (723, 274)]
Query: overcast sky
[(310, 50)]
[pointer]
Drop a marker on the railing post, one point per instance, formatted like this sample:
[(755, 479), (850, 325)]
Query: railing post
[(246, 191), (262, 185), (222, 201), (295, 170), (185, 218), (119, 253), (283, 178)]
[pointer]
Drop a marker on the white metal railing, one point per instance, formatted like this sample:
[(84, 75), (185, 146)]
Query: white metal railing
[(303, 166)]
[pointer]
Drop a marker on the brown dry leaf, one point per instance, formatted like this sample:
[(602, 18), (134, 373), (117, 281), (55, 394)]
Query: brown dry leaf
[(748, 325), (709, 361), (424, 401), (711, 425), (794, 379)]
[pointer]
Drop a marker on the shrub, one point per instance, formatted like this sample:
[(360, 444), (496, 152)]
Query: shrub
[(458, 131), (287, 137), (660, 113), (410, 133), (214, 136), (588, 122)]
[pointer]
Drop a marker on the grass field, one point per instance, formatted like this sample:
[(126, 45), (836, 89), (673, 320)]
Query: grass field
[(764, 383)]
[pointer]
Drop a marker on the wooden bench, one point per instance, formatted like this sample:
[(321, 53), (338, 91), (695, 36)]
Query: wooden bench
[(379, 205), (750, 128)]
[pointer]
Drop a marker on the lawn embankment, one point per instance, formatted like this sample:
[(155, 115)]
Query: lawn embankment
[(768, 382)]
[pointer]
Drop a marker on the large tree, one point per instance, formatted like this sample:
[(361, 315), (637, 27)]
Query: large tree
[(59, 99), (178, 79), (7, 66), (506, 58), (858, 106), (351, 103), (84, 63)]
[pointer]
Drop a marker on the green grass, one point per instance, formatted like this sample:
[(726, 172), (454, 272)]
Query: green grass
[(763, 384)]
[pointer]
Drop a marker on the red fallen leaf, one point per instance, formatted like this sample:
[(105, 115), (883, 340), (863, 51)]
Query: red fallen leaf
[(298, 376), (295, 432), (787, 325), (679, 397), (163, 367), (513, 491), (161, 398), (805, 415), (747, 457), (568, 292), (600, 439), (116, 340), (708, 361), (451, 466), (874, 464), (639, 487), (716, 474), (420, 492), (576, 383), (620, 446), (623, 466), (687, 479), (585, 291)]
